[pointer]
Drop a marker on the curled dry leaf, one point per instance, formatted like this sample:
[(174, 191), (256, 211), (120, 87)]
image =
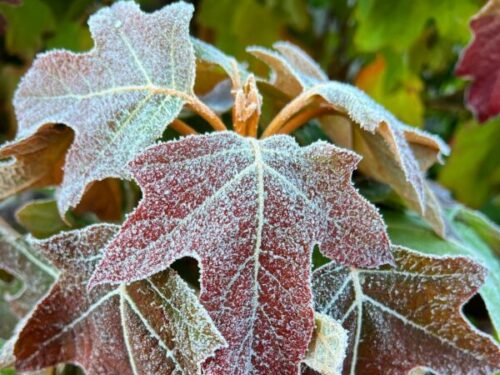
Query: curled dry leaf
[(152, 326), (408, 316), (118, 98), (481, 62), (393, 152), (327, 349), (250, 211), (34, 162)]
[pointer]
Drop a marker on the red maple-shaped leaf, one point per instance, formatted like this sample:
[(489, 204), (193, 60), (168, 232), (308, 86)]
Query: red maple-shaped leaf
[(250, 211), (151, 326), (408, 316), (481, 62)]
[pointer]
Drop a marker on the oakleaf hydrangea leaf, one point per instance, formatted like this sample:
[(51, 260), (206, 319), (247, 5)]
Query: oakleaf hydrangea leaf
[(250, 211), (118, 98), (26, 264), (328, 346), (478, 240), (481, 62), (152, 326), (382, 139), (408, 316)]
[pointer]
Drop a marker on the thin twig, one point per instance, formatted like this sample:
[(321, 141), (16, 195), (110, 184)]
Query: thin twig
[(287, 113), (303, 117), (183, 128)]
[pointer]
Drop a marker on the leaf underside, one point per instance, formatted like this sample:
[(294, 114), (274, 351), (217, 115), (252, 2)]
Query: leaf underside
[(118, 98)]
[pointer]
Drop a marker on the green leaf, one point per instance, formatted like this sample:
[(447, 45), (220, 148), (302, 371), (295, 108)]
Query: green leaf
[(409, 230), (397, 24), (41, 218), (23, 40), (472, 172), (240, 27)]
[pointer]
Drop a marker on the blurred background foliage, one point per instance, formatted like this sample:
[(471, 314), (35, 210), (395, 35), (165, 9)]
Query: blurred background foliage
[(402, 53)]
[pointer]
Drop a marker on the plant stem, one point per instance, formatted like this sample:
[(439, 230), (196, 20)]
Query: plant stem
[(287, 113), (303, 117), (183, 128)]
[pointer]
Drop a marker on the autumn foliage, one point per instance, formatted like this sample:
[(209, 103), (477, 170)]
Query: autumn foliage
[(298, 271)]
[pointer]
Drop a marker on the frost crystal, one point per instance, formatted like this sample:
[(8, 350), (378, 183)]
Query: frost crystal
[(152, 326), (250, 212), (118, 98), (408, 316)]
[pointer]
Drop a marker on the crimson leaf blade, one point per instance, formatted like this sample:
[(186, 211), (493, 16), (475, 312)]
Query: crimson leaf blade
[(250, 212)]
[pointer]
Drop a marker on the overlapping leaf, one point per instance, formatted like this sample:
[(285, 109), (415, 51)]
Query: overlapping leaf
[(118, 98), (29, 278), (471, 235), (481, 62), (328, 346), (23, 263), (36, 162), (408, 316), (393, 152), (153, 326), (250, 211)]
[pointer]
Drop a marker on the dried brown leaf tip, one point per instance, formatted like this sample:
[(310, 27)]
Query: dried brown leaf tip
[(152, 326), (408, 316), (393, 152)]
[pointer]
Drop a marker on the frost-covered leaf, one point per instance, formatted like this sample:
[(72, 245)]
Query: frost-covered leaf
[(26, 265), (118, 98), (250, 212), (408, 316), (327, 349), (390, 148), (481, 62), (478, 240), (152, 326)]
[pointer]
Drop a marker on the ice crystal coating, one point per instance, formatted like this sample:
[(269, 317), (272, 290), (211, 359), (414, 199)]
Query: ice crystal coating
[(472, 235), (390, 147), (328, 346), (481, 62), (408, 316), (118, 98), (25, 264), (152, 326), (250, 212)]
